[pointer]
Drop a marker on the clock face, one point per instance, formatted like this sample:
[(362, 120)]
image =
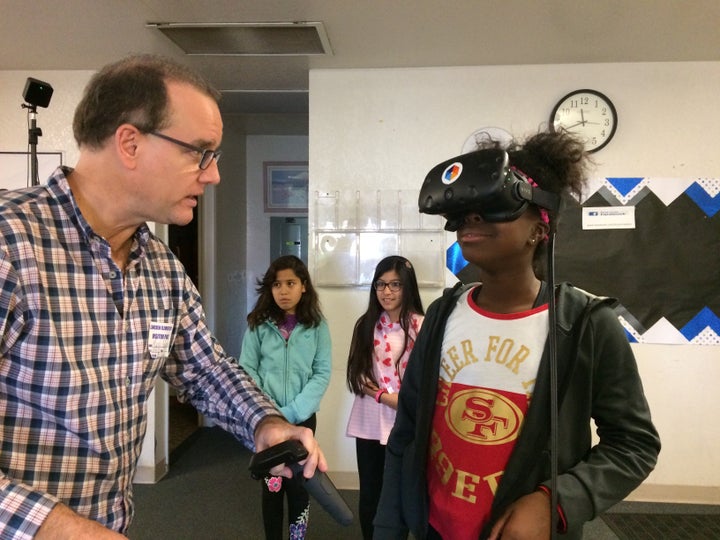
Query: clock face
[(588, 114)]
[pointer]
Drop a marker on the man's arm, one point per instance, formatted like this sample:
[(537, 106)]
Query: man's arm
[(64, 524)]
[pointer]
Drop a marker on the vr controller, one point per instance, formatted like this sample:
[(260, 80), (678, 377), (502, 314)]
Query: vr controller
[(481, 182), (319, 486)]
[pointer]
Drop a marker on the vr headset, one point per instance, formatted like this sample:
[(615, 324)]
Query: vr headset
[(480, 182)]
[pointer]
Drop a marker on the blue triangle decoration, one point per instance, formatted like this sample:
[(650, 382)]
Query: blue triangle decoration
[(630, 337), (709, 205), (700, 322), (624, 185)]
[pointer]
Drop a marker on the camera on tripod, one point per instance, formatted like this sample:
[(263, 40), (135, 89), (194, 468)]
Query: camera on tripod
[(37, 93)]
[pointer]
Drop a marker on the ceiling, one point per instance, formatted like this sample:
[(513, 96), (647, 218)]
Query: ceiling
[(86, 34)]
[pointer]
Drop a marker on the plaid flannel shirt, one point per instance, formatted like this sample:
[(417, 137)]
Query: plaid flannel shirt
[(78, 361)]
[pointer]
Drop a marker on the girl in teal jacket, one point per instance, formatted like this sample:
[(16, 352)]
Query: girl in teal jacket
[(286, 349)]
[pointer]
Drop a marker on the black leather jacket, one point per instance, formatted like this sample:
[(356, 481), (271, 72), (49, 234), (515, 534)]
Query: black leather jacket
[(597, 378)]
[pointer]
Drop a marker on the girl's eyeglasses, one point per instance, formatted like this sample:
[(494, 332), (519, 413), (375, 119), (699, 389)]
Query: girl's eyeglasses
[(380, 285)]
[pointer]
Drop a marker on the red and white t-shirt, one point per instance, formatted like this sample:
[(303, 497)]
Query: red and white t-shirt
[(487, 375)]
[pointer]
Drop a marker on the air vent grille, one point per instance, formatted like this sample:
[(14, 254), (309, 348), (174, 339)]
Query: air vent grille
[(248, 39)]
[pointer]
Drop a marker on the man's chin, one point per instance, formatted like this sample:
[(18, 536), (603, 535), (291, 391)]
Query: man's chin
[(179, 220)]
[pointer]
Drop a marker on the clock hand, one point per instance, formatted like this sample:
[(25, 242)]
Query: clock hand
[(582, 117)]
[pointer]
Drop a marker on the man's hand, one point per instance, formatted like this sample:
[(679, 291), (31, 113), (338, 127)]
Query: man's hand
[(275, 429), (528, 518), (64, 524)]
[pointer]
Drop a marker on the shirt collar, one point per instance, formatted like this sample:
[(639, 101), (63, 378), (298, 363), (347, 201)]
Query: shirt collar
[(59, 188)]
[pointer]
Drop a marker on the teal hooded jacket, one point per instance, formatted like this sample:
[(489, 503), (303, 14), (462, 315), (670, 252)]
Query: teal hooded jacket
[(296, 373)]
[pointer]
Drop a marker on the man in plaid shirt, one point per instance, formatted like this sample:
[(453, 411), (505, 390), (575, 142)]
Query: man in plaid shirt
[(94, 308)]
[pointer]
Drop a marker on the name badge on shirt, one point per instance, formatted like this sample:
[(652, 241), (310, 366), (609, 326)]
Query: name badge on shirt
[(159, 342)]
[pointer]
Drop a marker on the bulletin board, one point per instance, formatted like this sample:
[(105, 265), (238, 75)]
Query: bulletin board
[(15, 168), (664, 271)]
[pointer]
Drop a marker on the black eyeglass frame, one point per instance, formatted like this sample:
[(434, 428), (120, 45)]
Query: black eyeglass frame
[(206, 155), (394, 285)]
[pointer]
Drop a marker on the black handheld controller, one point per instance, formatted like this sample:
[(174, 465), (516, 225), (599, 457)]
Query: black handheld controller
[(319, 486)]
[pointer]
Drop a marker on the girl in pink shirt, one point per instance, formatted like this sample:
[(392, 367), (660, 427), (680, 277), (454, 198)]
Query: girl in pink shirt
[(382, 340)]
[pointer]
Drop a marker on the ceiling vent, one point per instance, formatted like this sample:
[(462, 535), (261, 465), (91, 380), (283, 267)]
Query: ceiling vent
[(248, 39)]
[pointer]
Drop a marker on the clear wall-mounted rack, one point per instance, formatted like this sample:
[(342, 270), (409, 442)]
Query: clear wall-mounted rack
[(354, 229)]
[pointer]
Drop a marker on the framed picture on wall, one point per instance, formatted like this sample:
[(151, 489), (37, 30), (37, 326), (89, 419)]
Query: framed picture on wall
[(286, 186)]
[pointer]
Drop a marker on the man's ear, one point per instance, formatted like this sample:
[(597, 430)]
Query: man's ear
[(127, 140)]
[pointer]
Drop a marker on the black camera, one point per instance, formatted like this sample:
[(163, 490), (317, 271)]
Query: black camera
[(37, 93)]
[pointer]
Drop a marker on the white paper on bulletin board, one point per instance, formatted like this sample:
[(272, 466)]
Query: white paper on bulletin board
[(15, 168)]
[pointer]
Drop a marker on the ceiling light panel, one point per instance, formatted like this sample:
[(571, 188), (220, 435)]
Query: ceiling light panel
[(248, 39)]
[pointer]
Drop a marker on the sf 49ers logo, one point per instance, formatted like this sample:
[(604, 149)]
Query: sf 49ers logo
[(482, 416)]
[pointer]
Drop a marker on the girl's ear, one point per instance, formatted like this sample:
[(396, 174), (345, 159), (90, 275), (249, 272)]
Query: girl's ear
[(540, 232)]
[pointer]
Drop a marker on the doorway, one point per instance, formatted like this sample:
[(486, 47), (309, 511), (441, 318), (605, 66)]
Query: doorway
[(289, 236), (183, 418)]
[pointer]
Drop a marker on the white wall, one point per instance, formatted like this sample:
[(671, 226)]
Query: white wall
[(55, 121), (383, 129)]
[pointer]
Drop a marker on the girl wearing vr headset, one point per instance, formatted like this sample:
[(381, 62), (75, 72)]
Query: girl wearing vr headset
[(470, 452)]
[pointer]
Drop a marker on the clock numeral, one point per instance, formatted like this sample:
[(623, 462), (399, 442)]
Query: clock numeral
[(579, 102)]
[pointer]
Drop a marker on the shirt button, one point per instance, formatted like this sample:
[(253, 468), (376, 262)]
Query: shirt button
[(127, 381), (113, 274)]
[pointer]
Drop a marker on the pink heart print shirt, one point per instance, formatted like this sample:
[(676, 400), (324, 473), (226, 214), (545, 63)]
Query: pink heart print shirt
[(389, 339)]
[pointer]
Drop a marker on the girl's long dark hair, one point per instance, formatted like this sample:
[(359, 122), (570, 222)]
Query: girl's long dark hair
[(307, 311), (360, 357)]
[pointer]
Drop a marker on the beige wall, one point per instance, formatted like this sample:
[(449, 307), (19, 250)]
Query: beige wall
[(383, 129), (55, 121)]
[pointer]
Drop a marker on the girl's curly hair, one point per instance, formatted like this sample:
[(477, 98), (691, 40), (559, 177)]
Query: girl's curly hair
[(556, 161)]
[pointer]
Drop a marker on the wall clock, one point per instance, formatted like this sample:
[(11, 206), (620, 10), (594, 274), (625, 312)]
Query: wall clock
[(589, 114)]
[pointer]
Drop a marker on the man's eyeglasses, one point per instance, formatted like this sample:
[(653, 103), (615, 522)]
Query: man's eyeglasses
[(394, 286), (206, 155)]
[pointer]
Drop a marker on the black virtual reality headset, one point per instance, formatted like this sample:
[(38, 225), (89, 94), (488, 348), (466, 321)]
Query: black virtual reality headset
[(480, 182)]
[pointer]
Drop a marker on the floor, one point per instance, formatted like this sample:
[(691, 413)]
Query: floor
[(183, 422), (209, 495), (665, 521)]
